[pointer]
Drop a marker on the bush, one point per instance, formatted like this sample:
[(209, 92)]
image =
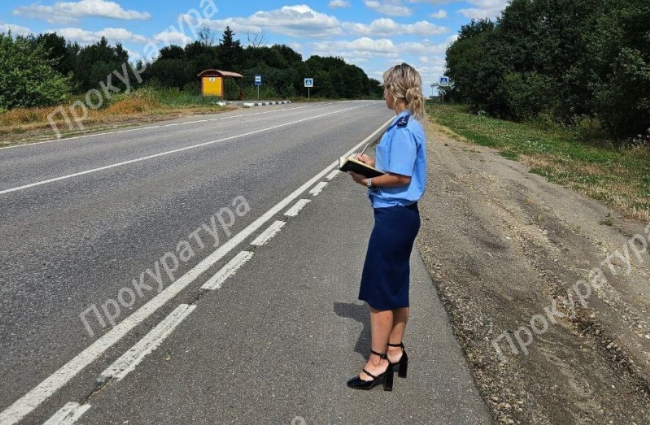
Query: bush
[(266, 93), (192, 88), (27, 78), (528, 94), (588, 129), (231, 89)]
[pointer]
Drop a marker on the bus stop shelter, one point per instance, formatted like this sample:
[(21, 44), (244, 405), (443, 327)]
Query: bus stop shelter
[(213, 82)]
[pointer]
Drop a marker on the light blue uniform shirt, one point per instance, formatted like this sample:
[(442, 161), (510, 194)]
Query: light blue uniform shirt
[(402, 150)]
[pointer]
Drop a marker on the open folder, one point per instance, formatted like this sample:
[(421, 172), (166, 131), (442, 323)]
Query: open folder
[(350, 163)]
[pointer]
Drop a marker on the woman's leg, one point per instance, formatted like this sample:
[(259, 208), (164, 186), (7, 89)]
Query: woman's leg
[(381, 323), (400, 317)]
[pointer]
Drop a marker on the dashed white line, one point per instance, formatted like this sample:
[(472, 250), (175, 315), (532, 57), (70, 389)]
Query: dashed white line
[(318, 188), (268, 234), (129, 360), (132, 161), (68, 414), (216, 281), (333, 174), (293, 211), (35, 397)]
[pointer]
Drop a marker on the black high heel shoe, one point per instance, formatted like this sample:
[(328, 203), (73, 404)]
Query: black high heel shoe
[(387, 377), (403, 363)]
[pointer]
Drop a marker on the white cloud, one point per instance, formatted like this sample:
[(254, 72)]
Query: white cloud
[(441, 14), (339, 3), (15, 29), (388, 7), (481, 9), (67, 12), (294, 21), (373, 48), (434, 1), (175, 37), (484, 8), (113, 35), (388, 27)]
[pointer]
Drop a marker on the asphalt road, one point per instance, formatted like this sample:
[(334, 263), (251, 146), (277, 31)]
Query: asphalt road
[(82, 218)]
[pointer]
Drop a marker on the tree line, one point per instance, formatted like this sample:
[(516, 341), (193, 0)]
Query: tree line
[(571, 61), (46, 69)]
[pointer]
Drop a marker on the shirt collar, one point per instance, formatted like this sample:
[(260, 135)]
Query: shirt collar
[(400, 115)]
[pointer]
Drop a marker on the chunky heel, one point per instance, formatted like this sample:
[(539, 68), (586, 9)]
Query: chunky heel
[(388, 378), (403, 366), (403, 363)]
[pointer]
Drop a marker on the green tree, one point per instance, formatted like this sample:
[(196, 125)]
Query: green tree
[(28, 77), (563, 58), (230, 51), (96, 61)]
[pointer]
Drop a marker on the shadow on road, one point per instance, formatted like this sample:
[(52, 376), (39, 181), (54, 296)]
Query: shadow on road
[(358, 312)]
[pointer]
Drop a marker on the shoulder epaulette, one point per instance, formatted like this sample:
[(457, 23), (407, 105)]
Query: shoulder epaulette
[(402, 122)]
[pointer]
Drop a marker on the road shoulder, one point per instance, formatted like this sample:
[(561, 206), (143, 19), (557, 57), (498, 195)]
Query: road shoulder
[(504, 245)]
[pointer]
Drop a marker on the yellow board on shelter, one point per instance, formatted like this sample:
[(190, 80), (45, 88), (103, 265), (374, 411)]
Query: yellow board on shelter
[(212, 86)]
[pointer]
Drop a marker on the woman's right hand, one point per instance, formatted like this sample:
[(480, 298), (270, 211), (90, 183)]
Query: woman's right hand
[(365, 159)]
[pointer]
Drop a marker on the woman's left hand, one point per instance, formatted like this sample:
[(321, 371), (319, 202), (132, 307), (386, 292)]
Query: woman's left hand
[(358, 178)]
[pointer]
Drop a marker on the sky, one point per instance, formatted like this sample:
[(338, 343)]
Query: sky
[(372, 34)]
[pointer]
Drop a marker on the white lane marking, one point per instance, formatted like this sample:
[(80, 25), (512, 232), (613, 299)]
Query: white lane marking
[(144, 158), (268, 234), (318, 188), (65, 139), (129, 360), (216, 281), (68, 414), (30, 401), (293, 211), (333, 174)]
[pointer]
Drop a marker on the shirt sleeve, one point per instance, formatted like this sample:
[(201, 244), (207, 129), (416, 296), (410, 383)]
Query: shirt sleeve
[(402, 153)]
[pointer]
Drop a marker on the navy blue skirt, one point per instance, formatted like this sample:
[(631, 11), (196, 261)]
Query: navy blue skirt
[(385, 278)]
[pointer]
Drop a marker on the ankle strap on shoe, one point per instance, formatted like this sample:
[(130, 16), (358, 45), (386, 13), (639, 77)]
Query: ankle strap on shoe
[(382, 355), (401, 344)]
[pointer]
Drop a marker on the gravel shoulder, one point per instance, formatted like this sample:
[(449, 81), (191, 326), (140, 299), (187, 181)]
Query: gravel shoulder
[(507, 251)]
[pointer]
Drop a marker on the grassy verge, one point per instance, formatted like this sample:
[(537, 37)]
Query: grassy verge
[(617, 176), (140, 106)]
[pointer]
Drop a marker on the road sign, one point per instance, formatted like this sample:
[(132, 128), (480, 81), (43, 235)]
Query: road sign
[(309, 82), (258, 80), (444, 82)]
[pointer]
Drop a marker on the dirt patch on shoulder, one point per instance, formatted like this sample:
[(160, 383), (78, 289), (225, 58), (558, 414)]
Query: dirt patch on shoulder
[(516, 258)]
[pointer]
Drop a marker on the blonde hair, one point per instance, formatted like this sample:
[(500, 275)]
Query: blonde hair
[(404, 82)]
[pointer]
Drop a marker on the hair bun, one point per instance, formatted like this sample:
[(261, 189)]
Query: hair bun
[(413, 93)]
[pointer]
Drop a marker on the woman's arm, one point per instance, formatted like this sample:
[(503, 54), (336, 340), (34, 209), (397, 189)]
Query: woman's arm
[(387, 180)]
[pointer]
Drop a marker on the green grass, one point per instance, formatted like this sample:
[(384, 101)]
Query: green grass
[(617, 176)]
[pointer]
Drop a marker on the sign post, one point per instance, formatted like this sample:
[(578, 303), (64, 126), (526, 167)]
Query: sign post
[(258, 83), (309, 83), (443, 82)]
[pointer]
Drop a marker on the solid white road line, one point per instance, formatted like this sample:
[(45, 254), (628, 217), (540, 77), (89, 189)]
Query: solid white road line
[(318, 188), (216, 281), (333, 174), (268, 234), (132, 161), (146, 345), (293, 211), (30, 401), (65, 139), (68, 414)]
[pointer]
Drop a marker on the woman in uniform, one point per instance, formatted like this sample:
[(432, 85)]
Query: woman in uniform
[(401, 155)]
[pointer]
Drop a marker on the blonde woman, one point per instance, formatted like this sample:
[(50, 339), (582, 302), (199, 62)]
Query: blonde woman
[(394, 195)]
